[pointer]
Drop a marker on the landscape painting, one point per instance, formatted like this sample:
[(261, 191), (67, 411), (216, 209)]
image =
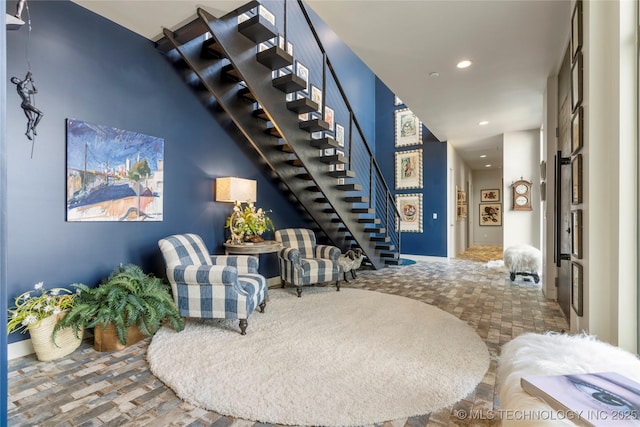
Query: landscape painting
[(113, 174)]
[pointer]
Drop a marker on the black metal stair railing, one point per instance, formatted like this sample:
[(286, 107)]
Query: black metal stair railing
[(334, 177)]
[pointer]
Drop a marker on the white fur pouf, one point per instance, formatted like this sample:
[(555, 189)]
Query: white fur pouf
[(523, 259), (552, 354)]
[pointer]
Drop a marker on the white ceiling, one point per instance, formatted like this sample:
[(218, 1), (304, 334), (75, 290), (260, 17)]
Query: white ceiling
[(514, 45)]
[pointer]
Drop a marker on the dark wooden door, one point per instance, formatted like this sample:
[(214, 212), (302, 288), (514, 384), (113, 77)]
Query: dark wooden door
[(563, 211)]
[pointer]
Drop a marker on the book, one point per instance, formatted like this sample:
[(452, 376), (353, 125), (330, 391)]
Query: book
[(592, 399)]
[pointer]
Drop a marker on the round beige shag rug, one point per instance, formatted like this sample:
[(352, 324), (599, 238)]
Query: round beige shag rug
[(329, 358)]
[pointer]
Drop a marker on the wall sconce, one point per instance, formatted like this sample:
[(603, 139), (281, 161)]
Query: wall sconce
[(231, 189)]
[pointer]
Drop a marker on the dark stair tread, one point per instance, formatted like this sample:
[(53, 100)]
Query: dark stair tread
[(324, 143), (329, 210), (379, 230), (231, 73), (211, 49), (349, 238), (321, 200), (306, 176), (369, 220), (261, 114), (295, 162), (302, 105), (275, 58), (389, 255), (313, 189), (314, 125), (246, 93), (336, 220), (285, 148), (394, 261), (257, 29), (385, 246), (380, 238), (356, 199), (342, 174), (273, 132), (349, 187), (334, 159), (289, 83), (363, 210)]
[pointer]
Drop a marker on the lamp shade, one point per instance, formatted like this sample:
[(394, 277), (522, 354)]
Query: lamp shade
[(231, 189)]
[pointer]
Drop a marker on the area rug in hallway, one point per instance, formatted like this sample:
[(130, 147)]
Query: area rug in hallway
[(329, 358)]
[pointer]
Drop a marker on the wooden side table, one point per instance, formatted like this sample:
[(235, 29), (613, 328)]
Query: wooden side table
[(268, 246)]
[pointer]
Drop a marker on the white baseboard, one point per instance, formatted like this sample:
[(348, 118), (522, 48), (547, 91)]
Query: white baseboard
[(273, 282), (19, 349), (424, 258)]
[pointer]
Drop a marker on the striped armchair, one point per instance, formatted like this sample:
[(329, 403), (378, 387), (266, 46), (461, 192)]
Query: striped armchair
[(303, 262), (212, 286)]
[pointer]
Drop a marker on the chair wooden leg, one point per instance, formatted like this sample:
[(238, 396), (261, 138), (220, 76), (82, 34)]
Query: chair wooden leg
[(262, 306), (299, 289), (243, 326), (338, 285)]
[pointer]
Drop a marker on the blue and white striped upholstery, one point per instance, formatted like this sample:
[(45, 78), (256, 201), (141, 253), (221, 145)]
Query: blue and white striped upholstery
[(211, 286), (303, 262)]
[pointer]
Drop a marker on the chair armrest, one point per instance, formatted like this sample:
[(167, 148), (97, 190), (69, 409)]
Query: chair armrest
[(290, 254), (203, 275), (244, 263), (327, 251)]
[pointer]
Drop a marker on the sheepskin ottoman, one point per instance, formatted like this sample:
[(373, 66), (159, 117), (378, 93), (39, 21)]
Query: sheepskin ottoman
[(552, 354), (524, 260)]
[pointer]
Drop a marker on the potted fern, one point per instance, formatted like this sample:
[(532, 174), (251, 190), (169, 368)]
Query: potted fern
[(125, 308)]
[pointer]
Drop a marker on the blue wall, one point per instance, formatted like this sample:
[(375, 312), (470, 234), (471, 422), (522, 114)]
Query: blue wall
[(433, 240), (88, 68)]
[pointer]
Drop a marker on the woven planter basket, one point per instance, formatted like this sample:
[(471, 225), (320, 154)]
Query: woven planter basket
[(42, 339)]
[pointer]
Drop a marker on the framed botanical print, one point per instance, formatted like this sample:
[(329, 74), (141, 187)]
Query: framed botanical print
[(329, 117), (576, 179), (576, 82), (576, 233), (490, 214), (340, 134), (576, 28), (577, 131), (408, 169), (492, 195), (410, 208), (408, 128), (576, 288), (303, 73), (316, 96)]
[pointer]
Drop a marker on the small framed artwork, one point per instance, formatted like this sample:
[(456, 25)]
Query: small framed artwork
[(576, 179), (408, 128), (397, 101), (576, 82), (576, 287), (490, 214), (303, 73), (576, 233), (410, 208), (577, 131), (316, 96), (264, 12), (340, 134), (329, 117), (408, 169), (576, 28), (490, 195)]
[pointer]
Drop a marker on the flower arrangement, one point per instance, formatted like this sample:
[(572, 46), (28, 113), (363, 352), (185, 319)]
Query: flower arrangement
[(248, 223), (30, 309)]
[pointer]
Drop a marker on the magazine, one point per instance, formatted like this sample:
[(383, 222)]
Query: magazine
[(593, 399)]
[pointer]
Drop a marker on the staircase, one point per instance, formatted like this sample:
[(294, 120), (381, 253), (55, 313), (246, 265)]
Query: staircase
[(239, 62)]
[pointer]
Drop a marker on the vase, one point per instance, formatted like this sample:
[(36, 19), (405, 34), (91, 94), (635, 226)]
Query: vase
[(65, 343), (107, 340)]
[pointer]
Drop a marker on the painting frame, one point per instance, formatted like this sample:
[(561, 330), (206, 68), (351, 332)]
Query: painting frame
[(576, 82), (410, 209), (329, 117), (303, 72), (490, 214), (577, 288), (490, 195), (408, 128), (576, 29), (576, 179), (576, 233), (112, 174), (316, 96), (577, 130), (408, 168), (340, 134)]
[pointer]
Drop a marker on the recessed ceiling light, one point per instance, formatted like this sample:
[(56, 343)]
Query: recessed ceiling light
[(487, 166), (482, 156), (483, 123), (434, 74), (464, 64)]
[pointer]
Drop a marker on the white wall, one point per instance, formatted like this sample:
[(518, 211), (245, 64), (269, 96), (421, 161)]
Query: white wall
[(521, 160), (459, 175), (485, 180), (610, 168)]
